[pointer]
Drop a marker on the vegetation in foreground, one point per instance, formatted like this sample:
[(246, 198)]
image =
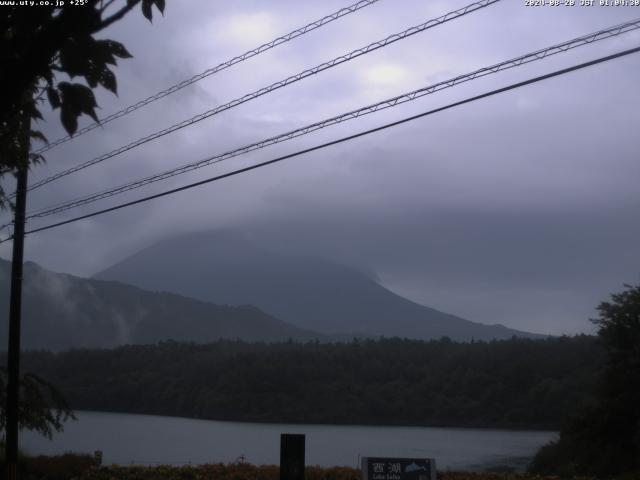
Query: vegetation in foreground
[(250, 472), (43, 409), (604, 439), (83, 467)]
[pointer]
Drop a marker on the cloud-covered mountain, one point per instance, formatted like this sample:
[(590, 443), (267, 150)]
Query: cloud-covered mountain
[(227, 268), (62, 311)]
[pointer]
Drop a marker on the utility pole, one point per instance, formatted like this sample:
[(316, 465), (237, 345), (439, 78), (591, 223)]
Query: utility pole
[(15, 305)]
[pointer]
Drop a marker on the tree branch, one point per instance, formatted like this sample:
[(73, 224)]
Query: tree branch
[(117, 16)]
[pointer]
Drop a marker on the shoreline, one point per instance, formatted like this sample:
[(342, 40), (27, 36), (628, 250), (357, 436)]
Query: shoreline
[(145, 439), (329, 424)]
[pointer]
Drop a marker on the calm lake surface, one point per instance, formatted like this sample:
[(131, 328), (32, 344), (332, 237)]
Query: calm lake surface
[(144, 439)]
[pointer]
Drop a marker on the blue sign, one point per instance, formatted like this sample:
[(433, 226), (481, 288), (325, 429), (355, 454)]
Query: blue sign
[(383, 468)]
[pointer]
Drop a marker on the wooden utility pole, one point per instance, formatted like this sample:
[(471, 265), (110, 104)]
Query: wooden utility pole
[(15, 305)]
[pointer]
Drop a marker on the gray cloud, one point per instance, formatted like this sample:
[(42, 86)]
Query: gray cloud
[(519, 209)]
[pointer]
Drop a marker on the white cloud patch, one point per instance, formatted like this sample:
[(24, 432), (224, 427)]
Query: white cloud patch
[(246, 29), (384, 74)]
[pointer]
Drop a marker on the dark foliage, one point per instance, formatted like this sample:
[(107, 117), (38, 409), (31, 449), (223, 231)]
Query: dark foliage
[(61, 467), (42, 408), (512, 384), (605, 439), (37, 44)]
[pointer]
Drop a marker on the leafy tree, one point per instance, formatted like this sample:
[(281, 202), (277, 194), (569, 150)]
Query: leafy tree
[(39, 43), (605, 439), (42, 408)]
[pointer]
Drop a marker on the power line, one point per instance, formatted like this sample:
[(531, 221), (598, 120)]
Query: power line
[(388, 103), (274, 86), (218, 68), (341, 140)]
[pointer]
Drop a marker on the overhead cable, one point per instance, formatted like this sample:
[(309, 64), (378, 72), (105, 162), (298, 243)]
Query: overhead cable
[(274, 86), (340, 140), (218, 68), (388, 103)]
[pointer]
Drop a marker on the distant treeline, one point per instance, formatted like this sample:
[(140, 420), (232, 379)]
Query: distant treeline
[(504, 384)]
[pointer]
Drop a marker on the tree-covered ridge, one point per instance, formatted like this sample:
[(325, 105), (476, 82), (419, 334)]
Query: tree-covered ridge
[(38, 44), (604, 440), (62, 311), (510, 384)]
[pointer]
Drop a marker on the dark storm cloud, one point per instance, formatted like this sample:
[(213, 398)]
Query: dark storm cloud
[(520, 209)]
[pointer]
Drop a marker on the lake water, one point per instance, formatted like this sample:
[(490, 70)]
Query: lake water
[(143, 439)]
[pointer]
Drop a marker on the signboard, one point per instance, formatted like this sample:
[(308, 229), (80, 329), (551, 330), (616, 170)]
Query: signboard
[(291, 456), (381, 468)]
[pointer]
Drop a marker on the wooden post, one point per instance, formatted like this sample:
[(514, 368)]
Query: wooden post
[(15, 307), (292, 456)]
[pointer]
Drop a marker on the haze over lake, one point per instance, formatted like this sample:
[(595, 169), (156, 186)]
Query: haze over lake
[(145, 439)]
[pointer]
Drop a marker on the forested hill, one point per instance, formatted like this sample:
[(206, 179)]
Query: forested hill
[(62, 311), (510, 384)]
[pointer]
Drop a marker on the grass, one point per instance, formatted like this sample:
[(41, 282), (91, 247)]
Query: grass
[(83, 467)]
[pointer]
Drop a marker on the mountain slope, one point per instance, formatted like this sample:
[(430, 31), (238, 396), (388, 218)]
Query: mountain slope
[(223, 267), (61, 311)]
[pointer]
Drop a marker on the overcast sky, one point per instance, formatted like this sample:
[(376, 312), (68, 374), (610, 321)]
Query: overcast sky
[(521, 209)]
